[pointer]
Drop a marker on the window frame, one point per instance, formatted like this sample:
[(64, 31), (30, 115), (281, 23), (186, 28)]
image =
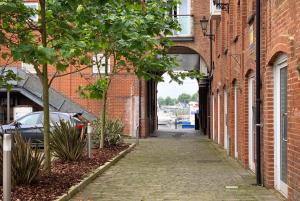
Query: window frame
[(102, 68)]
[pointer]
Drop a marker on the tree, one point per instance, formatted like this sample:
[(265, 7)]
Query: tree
[(195, 97), (161, 101), (53, 41), (6, 76), (184, 98), (169, 101), (133, 34)]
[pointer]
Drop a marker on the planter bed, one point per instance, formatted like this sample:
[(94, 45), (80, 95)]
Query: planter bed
[(64, 175)]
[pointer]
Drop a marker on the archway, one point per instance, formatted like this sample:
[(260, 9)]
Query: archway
[(187, 60)]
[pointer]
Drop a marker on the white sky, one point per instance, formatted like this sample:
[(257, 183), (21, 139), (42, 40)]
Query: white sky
[(189, 86)]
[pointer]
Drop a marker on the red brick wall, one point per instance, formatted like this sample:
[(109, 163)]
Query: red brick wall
[(280, 34)]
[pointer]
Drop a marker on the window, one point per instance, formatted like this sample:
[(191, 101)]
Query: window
[(35, 7), (31, 119), (28, 68), (182, 13), (54, 118), (99, 61), (64, 118)]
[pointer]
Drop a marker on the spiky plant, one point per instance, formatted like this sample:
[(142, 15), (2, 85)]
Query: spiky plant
[(65, 142), (26, 160), (114, 130)]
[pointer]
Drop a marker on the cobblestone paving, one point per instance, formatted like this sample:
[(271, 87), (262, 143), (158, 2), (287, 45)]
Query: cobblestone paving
[(176, 166)]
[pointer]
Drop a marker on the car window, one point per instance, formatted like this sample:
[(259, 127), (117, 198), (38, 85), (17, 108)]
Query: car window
[(31, 119), (64, 117), (54, 118)]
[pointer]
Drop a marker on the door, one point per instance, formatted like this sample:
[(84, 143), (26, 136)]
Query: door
[(235, 121), (251, 137), (213, 117), (225, 121), (219, 118), (280, 124)]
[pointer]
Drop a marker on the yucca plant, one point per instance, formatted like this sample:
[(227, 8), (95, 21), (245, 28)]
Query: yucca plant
[(66, 142), (26, 161), (114, 130), (113, 133)]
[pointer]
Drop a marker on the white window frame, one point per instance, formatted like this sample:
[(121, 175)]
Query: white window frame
[(188, 15), (102, 68), (33, 5)]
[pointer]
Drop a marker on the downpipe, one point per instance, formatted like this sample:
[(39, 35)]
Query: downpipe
[(258, 96)]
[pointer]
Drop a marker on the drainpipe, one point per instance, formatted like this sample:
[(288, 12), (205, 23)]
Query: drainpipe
[(209, 78), (258, 99)]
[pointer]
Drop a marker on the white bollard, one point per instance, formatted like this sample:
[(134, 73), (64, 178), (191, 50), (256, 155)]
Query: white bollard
[(89, 132), (7, 140)]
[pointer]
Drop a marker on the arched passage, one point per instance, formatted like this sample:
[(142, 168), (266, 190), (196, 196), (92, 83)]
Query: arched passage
[(187, 60)]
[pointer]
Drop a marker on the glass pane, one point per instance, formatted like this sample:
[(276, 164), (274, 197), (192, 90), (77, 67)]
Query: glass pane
[(283, 124), (30, 119), (54, 118), (65, 118), (183, 8), (185, 24)]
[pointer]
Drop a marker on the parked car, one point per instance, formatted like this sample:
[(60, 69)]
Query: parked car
[(31, 126)]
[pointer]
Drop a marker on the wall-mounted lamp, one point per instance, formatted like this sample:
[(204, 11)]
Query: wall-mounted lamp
[(220, 5), (204, 25)]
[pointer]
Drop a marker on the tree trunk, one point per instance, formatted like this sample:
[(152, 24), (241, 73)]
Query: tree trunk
[(47, 162), (104, 103), (103, 119)]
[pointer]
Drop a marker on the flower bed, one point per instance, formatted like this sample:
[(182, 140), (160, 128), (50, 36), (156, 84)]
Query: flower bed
[(64, 175)]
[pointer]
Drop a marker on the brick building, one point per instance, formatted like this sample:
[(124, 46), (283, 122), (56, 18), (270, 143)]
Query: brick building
[(233, 89), (190, 47)]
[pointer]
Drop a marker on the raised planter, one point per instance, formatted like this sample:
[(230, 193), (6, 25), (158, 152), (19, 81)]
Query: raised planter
[(93, 175)]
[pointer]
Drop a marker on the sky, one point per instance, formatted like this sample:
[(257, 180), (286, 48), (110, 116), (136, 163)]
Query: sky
[(173, 89)]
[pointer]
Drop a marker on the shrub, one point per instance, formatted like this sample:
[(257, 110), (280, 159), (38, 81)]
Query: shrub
[(66, 142), (26, 161), (114, 130)]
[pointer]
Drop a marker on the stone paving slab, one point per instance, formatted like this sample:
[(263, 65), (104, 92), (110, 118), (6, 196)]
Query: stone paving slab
[(176, 166)]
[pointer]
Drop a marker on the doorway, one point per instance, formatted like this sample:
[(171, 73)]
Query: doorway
[(219, 118), (251, 136), (178, 104), (280, 124), (235, 120), (225, 121)]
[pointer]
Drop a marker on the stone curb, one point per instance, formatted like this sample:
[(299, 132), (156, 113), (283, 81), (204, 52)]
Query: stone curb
[(93, 175)]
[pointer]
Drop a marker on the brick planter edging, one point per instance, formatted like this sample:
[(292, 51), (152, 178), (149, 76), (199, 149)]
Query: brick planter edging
[(87, 180)]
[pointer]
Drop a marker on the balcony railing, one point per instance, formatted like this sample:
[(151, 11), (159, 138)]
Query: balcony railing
[(214, 10), (186, 24)]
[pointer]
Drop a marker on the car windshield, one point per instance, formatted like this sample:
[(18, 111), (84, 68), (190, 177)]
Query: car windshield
[(54, 118), (65, 118), (31, 119)]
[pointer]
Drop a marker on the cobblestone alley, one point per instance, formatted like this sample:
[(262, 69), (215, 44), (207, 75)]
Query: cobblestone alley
[(176, 166)]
